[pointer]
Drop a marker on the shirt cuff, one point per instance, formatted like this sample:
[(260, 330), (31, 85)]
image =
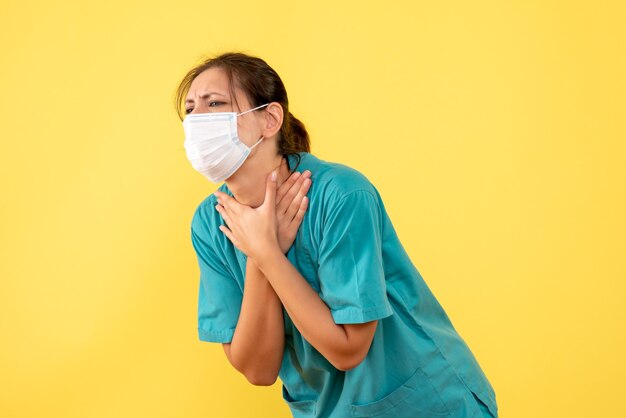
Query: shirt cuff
[(222, 336), (353, 315)]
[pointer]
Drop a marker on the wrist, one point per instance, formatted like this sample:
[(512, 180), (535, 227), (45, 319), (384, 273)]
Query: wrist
[(269, 256), (251, 265)]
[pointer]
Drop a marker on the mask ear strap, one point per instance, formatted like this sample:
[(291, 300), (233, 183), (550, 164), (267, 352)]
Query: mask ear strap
[(257, 143), (250, 110)]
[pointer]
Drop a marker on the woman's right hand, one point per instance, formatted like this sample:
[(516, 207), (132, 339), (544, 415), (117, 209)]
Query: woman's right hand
[(291, 204)]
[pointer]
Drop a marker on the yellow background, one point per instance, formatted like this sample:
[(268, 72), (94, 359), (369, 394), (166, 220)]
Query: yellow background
[(493, 130)]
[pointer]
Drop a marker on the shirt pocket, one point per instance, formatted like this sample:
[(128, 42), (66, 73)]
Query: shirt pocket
[(484, 409), (300, 408), (416, 397)]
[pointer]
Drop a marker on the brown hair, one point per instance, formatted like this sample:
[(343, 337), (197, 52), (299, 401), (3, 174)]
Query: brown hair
[(261, 84)]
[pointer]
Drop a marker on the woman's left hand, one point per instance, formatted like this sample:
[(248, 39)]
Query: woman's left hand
[(254, 231)]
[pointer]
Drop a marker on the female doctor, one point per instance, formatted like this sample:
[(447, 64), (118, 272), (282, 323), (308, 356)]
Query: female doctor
[(302, 275)]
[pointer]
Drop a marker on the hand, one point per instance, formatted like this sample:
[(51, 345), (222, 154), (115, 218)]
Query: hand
[(253, 230), (291, 204)]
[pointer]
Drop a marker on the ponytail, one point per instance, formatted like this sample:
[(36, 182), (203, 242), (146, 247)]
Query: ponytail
[(294, 137)]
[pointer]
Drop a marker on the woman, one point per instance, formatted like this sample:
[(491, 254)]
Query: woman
[(321, 294)]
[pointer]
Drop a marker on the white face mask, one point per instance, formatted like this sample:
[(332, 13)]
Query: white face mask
[(212, 144)]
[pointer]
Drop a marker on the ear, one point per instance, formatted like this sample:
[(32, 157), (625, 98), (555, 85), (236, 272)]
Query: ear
[(273, 119)]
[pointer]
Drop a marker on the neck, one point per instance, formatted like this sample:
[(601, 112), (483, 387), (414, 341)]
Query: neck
[(248, 184)]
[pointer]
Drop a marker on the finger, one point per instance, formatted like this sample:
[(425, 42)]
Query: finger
[(297, 200), (303, 208), (287, 200), (283, 205), (227, 201), (297, 220), (224, 214), (284, 188), (229, 235), (270, 191), (232, 208)]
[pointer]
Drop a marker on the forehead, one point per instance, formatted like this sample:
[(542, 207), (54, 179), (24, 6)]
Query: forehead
[(212, 78)]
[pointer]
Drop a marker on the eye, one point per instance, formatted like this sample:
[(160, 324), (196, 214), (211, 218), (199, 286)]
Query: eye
[(213, 104), (187, 111)]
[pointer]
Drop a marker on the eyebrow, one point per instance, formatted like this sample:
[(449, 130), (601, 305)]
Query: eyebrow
[(205, 96)]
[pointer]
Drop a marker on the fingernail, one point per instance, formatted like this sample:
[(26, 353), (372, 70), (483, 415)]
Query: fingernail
[(274, 175)]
